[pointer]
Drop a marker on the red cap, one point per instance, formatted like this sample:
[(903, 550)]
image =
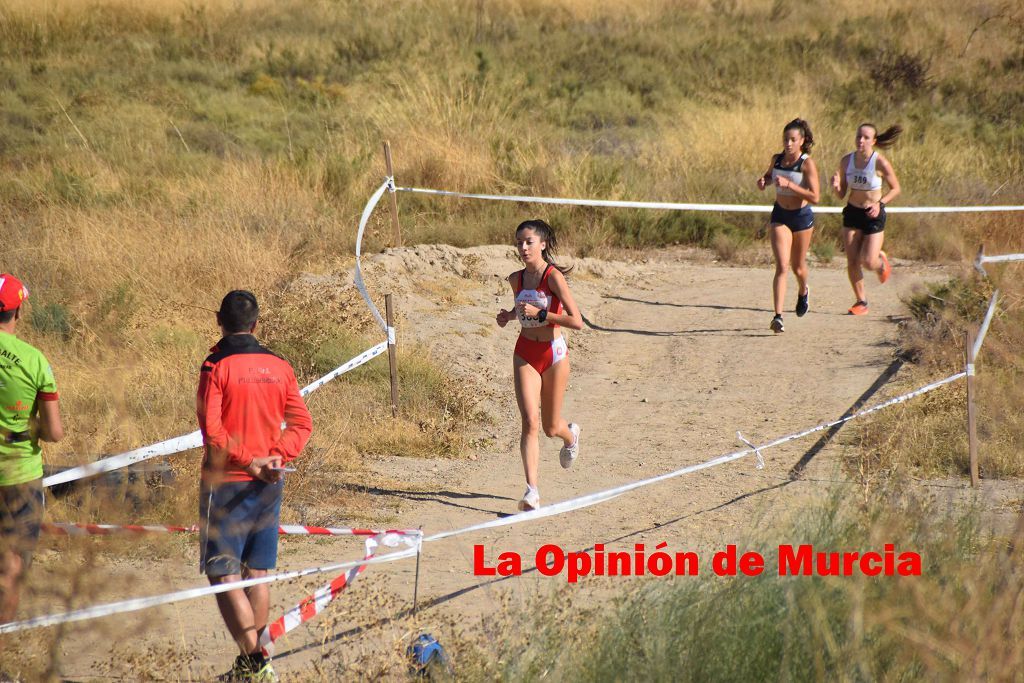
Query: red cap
[(12, 292)]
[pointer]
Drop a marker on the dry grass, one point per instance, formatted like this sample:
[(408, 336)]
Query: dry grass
[(929, 435), (960, 620)]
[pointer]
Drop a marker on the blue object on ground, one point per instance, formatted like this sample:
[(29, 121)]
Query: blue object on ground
[(427, 654)]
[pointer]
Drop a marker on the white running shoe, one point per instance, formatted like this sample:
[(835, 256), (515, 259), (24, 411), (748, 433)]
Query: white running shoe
[(569, 453), (530, 500)]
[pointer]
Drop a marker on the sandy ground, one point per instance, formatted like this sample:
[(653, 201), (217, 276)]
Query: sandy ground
[(677, 357)]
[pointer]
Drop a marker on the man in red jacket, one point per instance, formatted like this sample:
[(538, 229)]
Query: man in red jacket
[(245, 394)]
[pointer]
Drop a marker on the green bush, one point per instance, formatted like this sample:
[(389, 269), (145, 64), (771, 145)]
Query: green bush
[(52, 318)]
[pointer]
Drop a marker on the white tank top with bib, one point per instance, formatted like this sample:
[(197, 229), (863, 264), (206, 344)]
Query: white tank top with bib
[(863, 179)]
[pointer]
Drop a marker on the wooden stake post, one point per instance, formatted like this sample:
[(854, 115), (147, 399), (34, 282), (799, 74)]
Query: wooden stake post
[(972, 430), (396, 228), (392, 354)]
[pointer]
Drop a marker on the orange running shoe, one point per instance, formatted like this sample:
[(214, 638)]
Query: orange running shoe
[(886, 271), (859, 308)]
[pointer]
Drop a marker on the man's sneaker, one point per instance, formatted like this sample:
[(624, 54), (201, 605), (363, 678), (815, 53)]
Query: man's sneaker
[(886, 269), (569, 453), (530, 499), (801, 303), (859, 308), (777, 325), (250, 669)]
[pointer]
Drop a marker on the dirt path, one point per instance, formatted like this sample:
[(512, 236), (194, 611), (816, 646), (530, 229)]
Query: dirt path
[(678, 356)]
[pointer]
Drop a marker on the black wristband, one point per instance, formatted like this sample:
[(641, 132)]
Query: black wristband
[(881, 205), (543, 315)]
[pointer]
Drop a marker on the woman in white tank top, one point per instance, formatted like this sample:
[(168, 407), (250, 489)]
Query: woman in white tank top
[(861, 173)]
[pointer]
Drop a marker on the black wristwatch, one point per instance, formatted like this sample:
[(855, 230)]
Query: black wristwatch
[(543, 315)]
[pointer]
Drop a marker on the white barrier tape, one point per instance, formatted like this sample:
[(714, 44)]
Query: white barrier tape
[(318, 601), (934, 209), (70, 529), (390, 182), (1001, 258), (391, 336), (546, 511), (757, 451), (984, 325), (115, 462), (601, 496), (557, 508), (679, 206), (350, 365), (74, 529), (299, 530), (188, 441), (360, 285), (970, 369), (867, 411), (980, 260)]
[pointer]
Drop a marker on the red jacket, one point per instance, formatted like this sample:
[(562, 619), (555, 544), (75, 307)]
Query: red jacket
[(245, 393)]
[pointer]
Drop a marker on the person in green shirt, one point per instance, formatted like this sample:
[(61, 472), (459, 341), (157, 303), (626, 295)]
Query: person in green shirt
[(29, 413)]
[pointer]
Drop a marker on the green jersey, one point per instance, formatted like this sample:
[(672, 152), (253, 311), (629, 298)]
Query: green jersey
[(25, 379)]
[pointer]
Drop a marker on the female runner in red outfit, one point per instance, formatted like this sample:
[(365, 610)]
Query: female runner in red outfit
[(543, 304)]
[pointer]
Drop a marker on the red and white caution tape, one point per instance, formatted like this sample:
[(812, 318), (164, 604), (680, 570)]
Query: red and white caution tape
[(136, 604), (72, 529), (318, 601), (678, 206)]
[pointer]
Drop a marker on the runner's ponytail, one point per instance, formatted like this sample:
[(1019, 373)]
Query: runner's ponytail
[(888, 137)]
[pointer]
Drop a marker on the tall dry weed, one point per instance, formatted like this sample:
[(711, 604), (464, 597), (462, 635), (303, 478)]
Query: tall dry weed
[(929, 436)]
